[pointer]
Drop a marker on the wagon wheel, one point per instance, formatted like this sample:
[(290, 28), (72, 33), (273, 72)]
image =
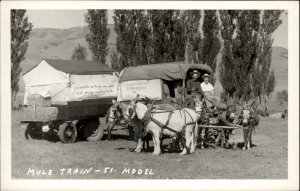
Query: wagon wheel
[(67, 132), (93, 131)]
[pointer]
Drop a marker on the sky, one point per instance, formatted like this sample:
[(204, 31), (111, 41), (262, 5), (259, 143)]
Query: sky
[(75, 18)]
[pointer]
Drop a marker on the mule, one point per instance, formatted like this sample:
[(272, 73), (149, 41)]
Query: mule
[(250, 119), (171, 123), (115, 117), (230, 118), (217, 116)]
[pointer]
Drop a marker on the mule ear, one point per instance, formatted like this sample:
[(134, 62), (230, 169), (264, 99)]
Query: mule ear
[(113, 101), (136, 98)]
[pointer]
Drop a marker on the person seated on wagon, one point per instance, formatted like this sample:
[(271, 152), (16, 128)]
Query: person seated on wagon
[(193, 88), (212, 102), (208, 91)]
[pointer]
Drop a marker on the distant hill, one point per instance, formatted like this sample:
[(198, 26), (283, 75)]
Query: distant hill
[(60, 43), (280, 65)]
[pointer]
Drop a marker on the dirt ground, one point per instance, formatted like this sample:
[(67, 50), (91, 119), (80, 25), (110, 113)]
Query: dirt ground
[(114, 159)]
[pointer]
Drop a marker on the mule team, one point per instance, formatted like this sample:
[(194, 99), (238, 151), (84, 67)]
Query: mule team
[(181, 123)]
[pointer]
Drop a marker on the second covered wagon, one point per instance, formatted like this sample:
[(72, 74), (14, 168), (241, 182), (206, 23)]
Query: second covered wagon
[(68, 97)]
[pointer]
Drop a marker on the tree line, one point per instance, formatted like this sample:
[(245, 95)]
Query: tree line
[(243, 37)]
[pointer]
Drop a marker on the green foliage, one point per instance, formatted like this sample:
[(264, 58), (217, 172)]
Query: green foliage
[(147, 37), (246, 57), (20, 30), (79, 53), (239, 32), (192, 35), (245, 50), (271, 82), (282, 96), (134, 40), (168, 35), (260, 75), (228, 26), (98, 34), (211, 43)]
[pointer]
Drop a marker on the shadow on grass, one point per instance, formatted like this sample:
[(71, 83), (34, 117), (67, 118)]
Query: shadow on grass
[(117, 136), (241, 145), (165, 149), (50, 136)]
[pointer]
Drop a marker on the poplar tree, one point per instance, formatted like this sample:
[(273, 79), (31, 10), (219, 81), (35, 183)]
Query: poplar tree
[(145, 39), (79, 53), (125, 35), (271, 82), (211, 44), (134, 40), (168, 35), (20, 30), (261, 73), (246, 57), (97, 37), (245, 51), (226, 69), (192, 35)]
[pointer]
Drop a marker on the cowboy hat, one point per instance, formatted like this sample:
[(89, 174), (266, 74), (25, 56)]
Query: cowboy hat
[(195, 72), (205, 75)]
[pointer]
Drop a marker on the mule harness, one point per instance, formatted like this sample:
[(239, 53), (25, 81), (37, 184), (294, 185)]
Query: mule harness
[(148, 117)]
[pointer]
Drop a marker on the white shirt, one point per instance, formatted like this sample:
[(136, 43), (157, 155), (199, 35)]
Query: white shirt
[(207, 87)]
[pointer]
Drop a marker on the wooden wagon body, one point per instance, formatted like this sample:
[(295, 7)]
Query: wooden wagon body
[(68, 97)]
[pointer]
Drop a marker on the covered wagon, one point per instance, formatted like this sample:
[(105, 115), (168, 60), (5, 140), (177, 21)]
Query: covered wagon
[(68, 97), (149, 80), (155, 81)]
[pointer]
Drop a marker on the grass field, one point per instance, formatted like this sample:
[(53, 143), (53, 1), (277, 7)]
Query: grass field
[(267, 160)]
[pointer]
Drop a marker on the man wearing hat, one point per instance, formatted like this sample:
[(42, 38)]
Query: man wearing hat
[(208, 90), (193, 88)]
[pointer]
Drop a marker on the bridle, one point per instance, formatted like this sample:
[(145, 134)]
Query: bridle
[(131, 110), (117, 114)]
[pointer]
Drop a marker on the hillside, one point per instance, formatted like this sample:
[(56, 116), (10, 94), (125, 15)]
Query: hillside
[(60, 43), (280, 66)]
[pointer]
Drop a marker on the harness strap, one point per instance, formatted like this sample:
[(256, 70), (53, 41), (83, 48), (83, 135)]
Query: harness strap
[(148, 117), (190, 123), (166, 125), (178, 134)]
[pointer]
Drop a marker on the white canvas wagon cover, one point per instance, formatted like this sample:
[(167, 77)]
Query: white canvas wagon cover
[(70, 80)]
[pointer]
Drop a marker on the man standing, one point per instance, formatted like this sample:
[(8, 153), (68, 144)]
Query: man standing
[(193, 88)]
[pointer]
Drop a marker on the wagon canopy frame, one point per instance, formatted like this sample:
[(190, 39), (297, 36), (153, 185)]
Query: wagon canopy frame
[(165, 71)]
